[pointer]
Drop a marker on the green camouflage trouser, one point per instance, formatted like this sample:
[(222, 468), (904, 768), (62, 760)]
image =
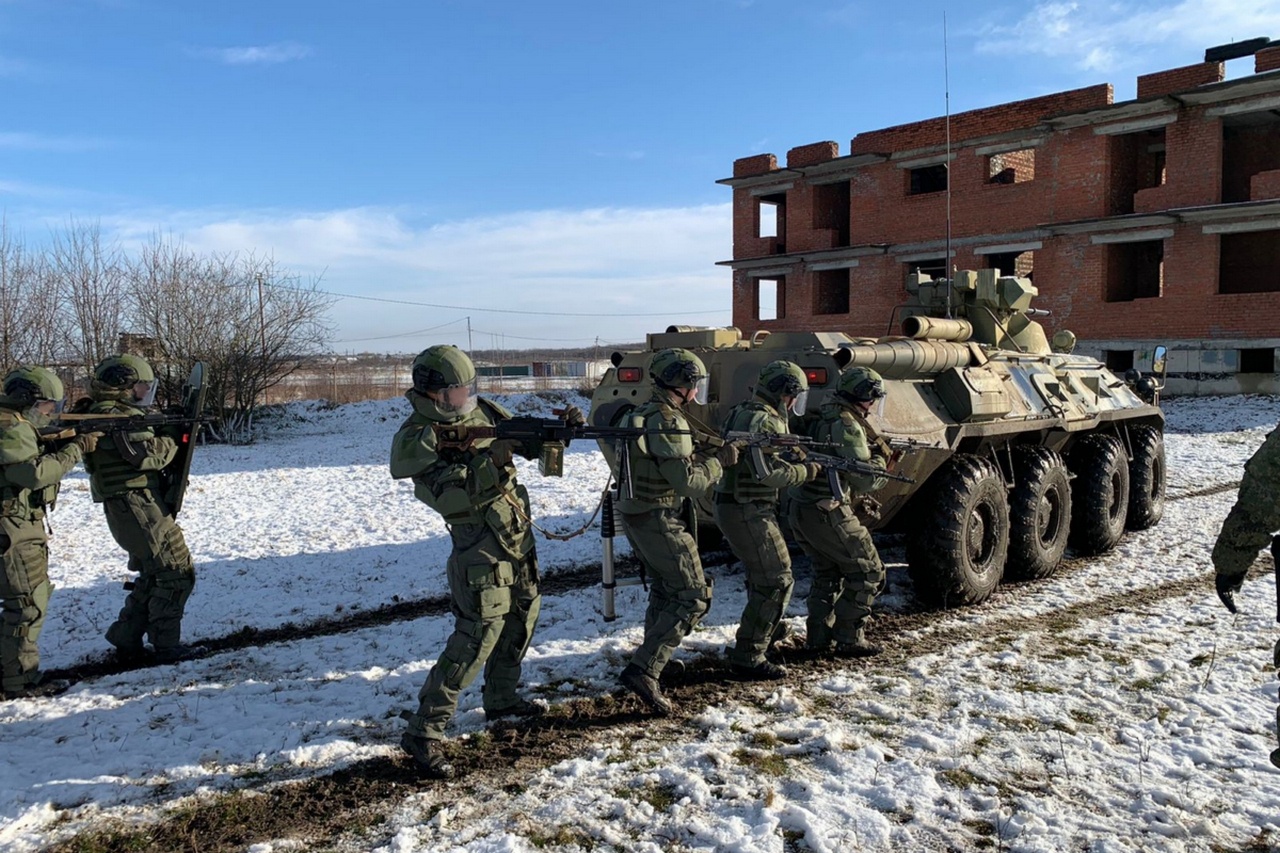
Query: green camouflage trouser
[(679, 595), (24, 591), (754, 535), (495, 603), (847, 571), (158, 552)]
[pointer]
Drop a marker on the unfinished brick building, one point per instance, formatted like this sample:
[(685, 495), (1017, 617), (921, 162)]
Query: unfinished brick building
[(1150, 221)]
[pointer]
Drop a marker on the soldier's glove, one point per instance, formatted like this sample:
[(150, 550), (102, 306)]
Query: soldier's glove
[(727, 454), (502, 452), (87, 441), (574, 417), (1228, 586), (814, 471)]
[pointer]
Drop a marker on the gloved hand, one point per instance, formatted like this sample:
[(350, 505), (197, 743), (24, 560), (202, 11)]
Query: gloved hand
[(1228, 586), (797, 453), (814, 471), (573, 416), (727, 453), (502, 452), (87, 441)]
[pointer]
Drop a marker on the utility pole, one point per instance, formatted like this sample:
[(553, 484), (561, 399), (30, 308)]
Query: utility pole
[(262, 319)]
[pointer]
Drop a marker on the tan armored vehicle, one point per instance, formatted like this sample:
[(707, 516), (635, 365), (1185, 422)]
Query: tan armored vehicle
[(1016, 449)]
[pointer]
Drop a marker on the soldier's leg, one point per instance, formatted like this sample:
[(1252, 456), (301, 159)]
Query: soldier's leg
[(127, 632), (671, 554), (813, 530), (24, 591), (173, 583), (479, 607), (863, 577), (755, 537), (502, 671)]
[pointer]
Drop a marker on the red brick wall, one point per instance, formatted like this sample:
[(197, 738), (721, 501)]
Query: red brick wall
[(981, 122), (1267, 59), (1178, 79), (1193, 158), (745, 167), (1265, 185), (810, 155), (1246, 152)]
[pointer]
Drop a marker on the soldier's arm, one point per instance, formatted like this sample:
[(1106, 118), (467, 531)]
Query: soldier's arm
[(781, 474), (34, 470), (151, 452), (1256, 514), (691, 475), (852, 442)]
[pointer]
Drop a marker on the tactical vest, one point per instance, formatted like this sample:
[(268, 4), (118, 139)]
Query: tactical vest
[(652, 490), (110, 474), (739, 481), (837, 425)]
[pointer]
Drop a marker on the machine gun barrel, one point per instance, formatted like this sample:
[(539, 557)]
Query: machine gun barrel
[(774, 439)]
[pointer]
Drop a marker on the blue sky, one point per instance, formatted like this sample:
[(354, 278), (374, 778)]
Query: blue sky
[(549, 156)]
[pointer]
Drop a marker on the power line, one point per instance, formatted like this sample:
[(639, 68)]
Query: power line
[(401, 334), (384, 299)]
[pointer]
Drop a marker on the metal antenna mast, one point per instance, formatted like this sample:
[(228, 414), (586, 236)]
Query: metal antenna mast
[(946, 87)]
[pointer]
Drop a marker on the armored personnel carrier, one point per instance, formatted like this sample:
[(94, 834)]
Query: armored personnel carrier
[(1017, 448)]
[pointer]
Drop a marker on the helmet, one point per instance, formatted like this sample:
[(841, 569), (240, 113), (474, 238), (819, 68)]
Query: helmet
[(122, 372), (442, 366), (679, 368), (861, 385), (30, 385), (780, 379)]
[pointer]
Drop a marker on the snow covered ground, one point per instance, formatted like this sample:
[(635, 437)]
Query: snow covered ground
[(1106, 709)]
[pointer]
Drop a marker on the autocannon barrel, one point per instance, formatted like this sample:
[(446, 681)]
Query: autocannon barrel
[(902, 359), (937, 328)]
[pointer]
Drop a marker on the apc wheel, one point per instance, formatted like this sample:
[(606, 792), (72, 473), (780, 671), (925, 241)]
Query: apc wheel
[(959, 554), (1099, 494), (1039, 513), (1146, 478)]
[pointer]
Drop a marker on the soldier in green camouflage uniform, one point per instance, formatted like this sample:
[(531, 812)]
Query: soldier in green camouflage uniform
[(1248, 529), (659, 521), (29, 477), (746, 511), (124, 476), (847, 572), (493, 568)]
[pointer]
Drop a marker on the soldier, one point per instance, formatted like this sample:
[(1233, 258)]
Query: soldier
[(28, 488), (847, 572), (124, 476), (493, 567), (659, 520), (1248, 528), (746, 511)]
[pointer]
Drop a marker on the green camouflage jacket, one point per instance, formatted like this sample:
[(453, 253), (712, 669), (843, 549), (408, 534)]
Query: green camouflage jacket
[(837, 425), (1256, 515), (115, 468), (740, 479), (664, 469), (28, 477)]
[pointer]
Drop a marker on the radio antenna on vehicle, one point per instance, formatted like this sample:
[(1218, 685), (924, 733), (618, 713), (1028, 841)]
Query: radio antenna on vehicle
[(949, 273)]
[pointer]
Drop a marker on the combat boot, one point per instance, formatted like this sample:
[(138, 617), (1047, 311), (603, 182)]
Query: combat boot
[(180, 652), (519, 708), (673, 672), (765, 670), (428, 761), (643, 685), (859, 648), (39, 689)]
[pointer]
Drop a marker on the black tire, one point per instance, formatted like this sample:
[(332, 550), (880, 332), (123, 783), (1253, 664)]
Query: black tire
[(958, 555), (1099, 494), (1039, 513), (1146, 478)]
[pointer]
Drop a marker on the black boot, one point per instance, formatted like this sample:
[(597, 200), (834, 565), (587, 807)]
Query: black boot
[(519, 708), (42, 687), (180, 652), (859, 648), (426, 756), (765, 670), (643, 685)]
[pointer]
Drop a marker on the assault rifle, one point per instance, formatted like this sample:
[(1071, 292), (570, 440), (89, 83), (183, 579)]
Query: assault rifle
[(70, 425), (853, 466), (757, 442)]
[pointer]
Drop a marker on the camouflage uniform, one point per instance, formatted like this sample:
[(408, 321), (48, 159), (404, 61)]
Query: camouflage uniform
[(28, 488), (124, 476), (746, 511), (847, 572), (493, 568)]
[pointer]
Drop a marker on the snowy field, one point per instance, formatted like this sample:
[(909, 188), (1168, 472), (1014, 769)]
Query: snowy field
[(1115, 707)]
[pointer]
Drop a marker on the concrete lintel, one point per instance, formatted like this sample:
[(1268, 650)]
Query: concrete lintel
[(1009, 247), (1123, 111), (758, 180), (849, 263), (1272, 224), (1111, 224), (920, 162), (1257, 105), (922, 256), (1006, 147), (769, 272), (1135, 125), (1132, 236), (772, 189)]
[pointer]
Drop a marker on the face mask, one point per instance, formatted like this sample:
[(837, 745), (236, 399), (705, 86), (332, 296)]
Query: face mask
[(700, 392), (149, 396), (800, 403)]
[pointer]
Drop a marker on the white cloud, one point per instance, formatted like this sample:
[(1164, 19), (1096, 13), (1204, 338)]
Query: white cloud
[(265, 54), (614, 262), (21, 141), (1099, 35)]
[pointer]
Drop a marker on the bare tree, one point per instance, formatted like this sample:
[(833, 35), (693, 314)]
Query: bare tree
[(32, 327), (92, 279)]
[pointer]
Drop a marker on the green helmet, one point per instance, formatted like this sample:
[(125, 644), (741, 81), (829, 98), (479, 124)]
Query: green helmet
[(123, 371), (29, 385), (442, 366), (861, 385), (780, 379), (679, 368)]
